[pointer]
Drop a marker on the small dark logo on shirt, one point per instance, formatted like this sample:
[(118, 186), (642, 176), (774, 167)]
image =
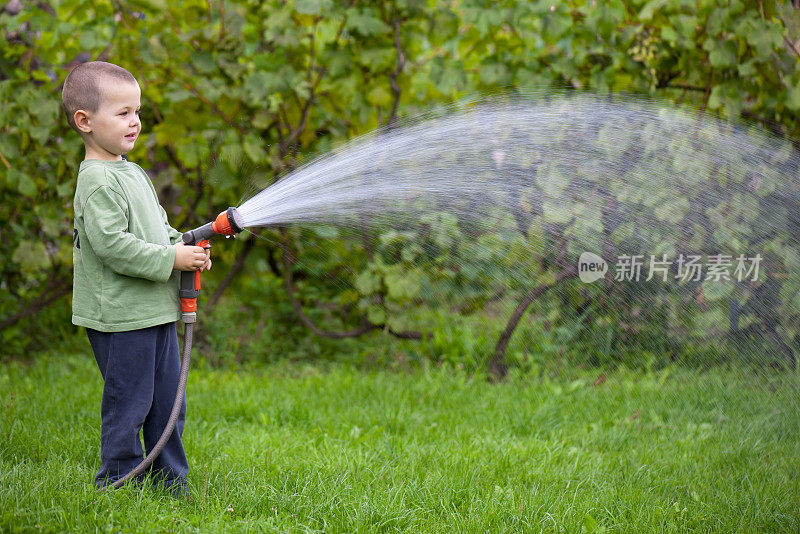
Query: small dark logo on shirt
[(76, 242)]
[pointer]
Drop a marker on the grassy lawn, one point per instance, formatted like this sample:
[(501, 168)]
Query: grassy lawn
[(339, 449)]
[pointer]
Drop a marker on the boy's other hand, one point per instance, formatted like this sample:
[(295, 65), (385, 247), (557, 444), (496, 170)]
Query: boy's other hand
[(207, 265), (189, 257)]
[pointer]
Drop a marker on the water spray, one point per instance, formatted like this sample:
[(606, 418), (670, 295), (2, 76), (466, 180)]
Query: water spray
[(530, 188), (228, 223)]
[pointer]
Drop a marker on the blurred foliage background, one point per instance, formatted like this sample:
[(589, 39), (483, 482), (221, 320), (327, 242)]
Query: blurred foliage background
[(237, 93)]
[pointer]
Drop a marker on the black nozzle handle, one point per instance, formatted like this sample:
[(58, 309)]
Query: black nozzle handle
[(198, 234), (188, 288)]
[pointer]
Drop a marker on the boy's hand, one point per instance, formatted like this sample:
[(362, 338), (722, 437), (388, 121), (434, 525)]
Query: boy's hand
[(189, 257)]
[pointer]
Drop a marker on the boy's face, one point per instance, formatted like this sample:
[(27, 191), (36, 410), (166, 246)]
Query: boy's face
[(113, 129)]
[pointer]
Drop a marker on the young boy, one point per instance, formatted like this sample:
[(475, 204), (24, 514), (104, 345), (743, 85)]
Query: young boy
[(125, 285)]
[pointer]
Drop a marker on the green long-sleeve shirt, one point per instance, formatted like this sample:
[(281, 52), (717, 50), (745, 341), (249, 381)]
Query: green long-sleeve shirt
[(123, 254)]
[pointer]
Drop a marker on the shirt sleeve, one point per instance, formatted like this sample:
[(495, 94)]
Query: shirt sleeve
[(106, 224), (174, 235)]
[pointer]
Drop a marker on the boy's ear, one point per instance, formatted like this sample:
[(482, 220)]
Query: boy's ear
[(81, 119)]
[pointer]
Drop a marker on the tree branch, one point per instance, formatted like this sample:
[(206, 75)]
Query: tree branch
[(708, 90), (497, 366), (772, 125), (191, 213), (55, 289), (401, 61), (791, 45), (312, 88), (684, 86), (196, 92)]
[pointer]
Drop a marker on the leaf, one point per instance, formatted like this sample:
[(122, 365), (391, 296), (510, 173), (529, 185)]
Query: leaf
[(26, 186), (718, 289), (178, 95), (253, 147), (556, 212), (87, 40), (12, 177), (376, 314), (402, 284), (647, 12), (349, 296), (40, 133), (64, 189), (31, 255), (261, 119), (203, 61), (556, 24), (492, 73), (326, 231), (669, 34), (673, 209), (747, 68), (150, 5), (368, 282), (380, 96), (766, 38), (793, 97), (312, 7), (712, 322), (685, 25), (364, 23), (169, 131), (377, 59), (721, 54), (41, 76), (258, 85)]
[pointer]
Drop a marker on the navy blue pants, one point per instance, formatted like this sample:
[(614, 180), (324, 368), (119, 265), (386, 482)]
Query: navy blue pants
[(141, 370)]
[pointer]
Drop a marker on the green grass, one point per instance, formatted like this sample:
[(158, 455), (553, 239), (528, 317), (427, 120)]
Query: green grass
[(339, 449)]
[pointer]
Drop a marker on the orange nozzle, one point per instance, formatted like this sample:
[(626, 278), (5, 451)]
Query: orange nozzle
[(221, 225), (227, 223)]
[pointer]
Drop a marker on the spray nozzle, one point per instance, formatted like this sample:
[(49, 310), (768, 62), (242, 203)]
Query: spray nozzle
[(227, 223)]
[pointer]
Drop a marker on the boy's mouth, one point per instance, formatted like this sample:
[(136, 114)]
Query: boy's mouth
[(130, 136)]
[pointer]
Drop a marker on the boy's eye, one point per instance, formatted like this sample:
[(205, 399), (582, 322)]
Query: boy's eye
[(124, 113)]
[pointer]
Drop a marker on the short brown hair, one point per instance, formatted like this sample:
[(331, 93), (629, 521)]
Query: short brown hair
[(82, 87)]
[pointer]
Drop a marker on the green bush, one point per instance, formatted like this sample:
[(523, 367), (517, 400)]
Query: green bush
[(237, 93)]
